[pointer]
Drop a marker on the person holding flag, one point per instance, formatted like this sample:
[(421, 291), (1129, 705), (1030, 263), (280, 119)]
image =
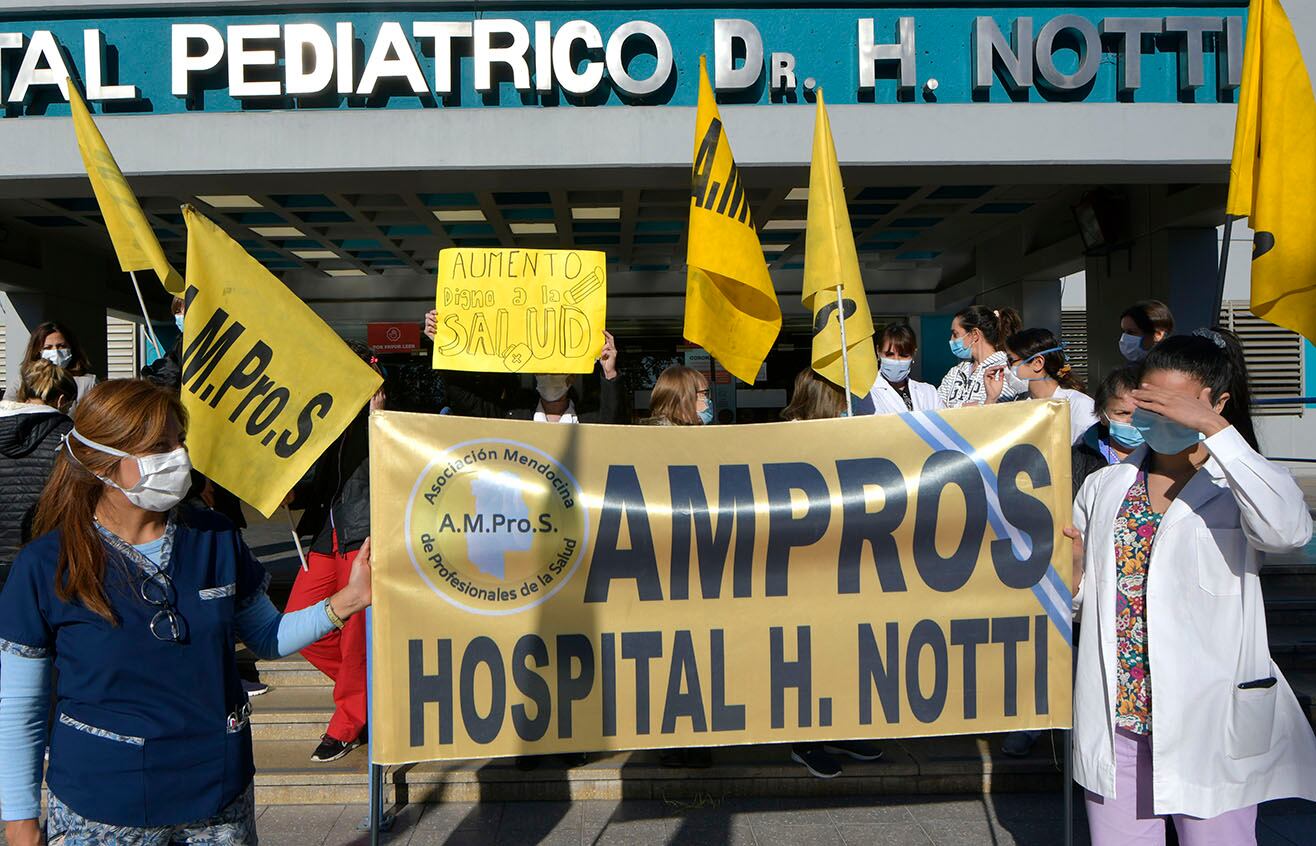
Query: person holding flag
[(731, 308), (1272, 180), (833, 286), (135, 603)]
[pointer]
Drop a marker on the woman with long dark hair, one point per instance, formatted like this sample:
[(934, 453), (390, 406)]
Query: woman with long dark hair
[(1179, 712), (57, 344), (977, 339), (1039, 367), (137, 604)]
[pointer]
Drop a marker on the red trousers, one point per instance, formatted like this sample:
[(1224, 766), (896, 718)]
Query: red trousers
[(340, 655)]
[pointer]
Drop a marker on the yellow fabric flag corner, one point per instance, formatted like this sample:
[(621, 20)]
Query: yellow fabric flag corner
[(134, 240), (831, 263), (267, 384), (731, 308), (1272, 179)]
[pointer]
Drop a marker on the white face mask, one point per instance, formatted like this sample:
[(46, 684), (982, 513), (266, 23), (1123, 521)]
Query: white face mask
[(552, 386), (166, 477), (59, 358), (1012, 380)]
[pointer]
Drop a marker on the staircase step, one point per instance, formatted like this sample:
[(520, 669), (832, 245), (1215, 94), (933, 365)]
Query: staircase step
[(291, 713), (284, 775), (1293, 646), (1291, 610), (1289, 575), (293, 671)]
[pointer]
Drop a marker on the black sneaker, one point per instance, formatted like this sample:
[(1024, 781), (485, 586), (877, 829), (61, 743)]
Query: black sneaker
[(331, 749), (815, 760), (255, 688), (860, 750)]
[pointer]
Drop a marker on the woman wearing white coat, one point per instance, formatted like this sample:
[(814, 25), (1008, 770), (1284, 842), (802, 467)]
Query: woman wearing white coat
[(894, 392), (1179, 712)]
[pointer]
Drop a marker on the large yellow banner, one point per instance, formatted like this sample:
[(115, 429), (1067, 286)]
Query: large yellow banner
[(266, 384), (543, 588), (520, 311)]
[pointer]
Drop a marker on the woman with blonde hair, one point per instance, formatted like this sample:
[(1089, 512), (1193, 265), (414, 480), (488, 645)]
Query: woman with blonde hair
[(30, 433), (680, 398), (137, 604), (814, 398)]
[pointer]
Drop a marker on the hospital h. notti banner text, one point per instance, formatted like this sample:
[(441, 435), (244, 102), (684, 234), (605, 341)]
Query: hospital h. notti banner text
[(544, 589)]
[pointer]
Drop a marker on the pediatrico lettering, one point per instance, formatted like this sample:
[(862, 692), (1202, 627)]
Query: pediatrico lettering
[(304, 59)]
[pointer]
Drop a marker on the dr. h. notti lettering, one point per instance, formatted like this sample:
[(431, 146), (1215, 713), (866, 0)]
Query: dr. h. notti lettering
[(295, 63)]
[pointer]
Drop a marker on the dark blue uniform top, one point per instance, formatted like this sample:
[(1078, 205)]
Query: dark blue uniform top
[(147, 732)]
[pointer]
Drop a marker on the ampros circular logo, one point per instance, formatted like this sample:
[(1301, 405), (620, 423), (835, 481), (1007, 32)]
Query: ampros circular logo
[(496, 526)]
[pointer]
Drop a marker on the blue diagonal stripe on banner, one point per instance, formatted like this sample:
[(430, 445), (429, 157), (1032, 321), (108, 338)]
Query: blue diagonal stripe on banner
[(1050, 591)]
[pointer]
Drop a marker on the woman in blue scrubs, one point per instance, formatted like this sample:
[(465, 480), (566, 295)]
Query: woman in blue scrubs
[(137, 603)]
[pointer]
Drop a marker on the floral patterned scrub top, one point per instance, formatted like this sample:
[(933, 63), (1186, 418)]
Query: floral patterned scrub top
[(1135, 529)]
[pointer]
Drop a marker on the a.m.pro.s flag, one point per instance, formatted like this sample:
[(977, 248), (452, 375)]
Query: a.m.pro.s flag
[(731, 308), (833, 287), (266, 384), (134, 239), (1272, 180)]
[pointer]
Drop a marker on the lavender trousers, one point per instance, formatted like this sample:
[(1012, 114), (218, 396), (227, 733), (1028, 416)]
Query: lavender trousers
[(1130, 821)]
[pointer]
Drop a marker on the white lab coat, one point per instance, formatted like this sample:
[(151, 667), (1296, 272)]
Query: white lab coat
[(887, 401), (1082, 412), (1215, 747)]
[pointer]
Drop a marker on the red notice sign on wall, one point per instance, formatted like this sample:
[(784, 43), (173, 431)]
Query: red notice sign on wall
[(393, 337)]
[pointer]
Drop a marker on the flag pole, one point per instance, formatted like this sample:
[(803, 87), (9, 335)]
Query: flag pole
[(1224, 267), (845, 353), (301, 556), (150, 332)]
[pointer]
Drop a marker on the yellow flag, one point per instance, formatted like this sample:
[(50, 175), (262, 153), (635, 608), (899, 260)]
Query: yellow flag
[(266, 384), (1272, 180), (134, 240), (731, 308), (830, 262)]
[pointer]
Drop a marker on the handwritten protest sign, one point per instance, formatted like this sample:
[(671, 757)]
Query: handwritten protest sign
[(543, 589), (266, 384), (520, 311)]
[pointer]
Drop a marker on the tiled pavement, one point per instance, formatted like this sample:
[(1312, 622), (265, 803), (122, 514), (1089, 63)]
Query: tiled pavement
[(1000, 820)]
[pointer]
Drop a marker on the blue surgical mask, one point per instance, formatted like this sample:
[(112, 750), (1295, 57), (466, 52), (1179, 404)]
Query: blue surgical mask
[(895, 370), (1131, 347), (1126, 435), (959, 350), (1164, 435), (178, 321), (706, 416)]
